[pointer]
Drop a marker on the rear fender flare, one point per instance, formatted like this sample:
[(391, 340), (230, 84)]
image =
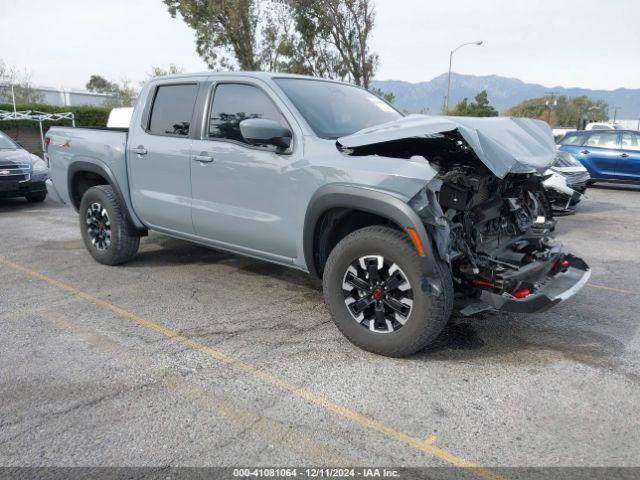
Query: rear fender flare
[(104, 172)]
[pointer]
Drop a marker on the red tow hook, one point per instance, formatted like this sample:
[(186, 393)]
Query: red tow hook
[(522, 293), (561, 266)]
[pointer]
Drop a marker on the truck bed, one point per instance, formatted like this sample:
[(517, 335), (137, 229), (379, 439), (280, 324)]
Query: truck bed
[(103, 147)]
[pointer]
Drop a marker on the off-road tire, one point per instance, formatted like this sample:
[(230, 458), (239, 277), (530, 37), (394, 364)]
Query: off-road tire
[(125, 239), (429, 313), (36, 197)]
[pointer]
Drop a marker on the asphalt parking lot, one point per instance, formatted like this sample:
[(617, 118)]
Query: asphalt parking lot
[(194, 357)]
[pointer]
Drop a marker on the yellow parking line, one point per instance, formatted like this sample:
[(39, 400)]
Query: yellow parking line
[(353, 416), (254, 420), (611, 289)]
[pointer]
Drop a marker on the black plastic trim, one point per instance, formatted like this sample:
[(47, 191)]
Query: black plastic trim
[(368, 200), (551, 294), (81, 166)]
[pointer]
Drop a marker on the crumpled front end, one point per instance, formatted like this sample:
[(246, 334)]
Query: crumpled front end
[(503, 145), (485, 209)]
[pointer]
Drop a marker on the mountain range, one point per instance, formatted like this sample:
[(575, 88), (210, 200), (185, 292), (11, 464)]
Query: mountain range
[(428, 97)]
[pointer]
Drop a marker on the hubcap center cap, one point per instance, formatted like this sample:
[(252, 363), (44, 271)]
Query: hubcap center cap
[(378, 293)]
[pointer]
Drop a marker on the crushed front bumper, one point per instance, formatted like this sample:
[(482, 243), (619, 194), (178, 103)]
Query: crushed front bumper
[(552, 290)]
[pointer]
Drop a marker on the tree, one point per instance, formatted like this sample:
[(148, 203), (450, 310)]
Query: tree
[(162, 72), (328, 38), (343, 27), (222, 28), (479, 108), (99, 84), (23, 90), (562, 111), (386, 96), (120, 95)]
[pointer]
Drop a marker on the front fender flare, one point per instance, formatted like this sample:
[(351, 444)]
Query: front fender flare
[(369, 200)]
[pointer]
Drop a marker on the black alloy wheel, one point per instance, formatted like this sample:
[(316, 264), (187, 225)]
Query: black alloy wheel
[(377, 293)]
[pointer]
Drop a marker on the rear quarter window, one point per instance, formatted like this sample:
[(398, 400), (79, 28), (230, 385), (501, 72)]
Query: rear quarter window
[(172, 110)]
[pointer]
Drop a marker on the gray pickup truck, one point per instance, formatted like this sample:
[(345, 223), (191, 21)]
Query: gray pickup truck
[(403, 217)]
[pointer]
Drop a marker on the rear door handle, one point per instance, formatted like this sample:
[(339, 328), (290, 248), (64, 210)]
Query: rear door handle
[(585, 152), (139, 150), (204, 157), (625, 155)]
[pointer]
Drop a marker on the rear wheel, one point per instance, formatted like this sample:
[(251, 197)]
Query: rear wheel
[(36, 197), (373, 288), (107, 233)]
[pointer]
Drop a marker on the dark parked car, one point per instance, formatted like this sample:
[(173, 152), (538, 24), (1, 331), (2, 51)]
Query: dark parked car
[(608, 155), (22, 174)]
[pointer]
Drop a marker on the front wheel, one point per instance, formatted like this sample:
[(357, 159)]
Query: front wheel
[(107, 233), (373, 286)]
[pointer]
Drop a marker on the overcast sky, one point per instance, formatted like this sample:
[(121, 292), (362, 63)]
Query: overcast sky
[(573, 43)]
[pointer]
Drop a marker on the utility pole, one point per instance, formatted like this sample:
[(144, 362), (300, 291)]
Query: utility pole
[(13, 97), (550, 103), (615, 114)]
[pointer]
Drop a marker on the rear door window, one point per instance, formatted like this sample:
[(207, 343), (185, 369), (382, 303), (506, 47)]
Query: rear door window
[(172, 110), (234, 102), (631, 141), (603, 139)]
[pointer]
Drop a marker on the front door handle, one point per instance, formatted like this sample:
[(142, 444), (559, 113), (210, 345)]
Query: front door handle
[(585, 152), (625, 155), (204, 157), (139, 150)]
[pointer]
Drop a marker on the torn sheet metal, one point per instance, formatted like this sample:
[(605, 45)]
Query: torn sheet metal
[(505, 145)]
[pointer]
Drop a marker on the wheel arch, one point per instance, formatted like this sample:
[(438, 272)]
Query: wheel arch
[(332, 205), (83, 175)]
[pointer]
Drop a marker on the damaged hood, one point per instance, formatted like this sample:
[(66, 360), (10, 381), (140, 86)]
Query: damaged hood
[(505, 145)]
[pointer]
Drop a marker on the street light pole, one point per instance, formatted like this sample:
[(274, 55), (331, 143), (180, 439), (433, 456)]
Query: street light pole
[(615, 114), (446, 100)]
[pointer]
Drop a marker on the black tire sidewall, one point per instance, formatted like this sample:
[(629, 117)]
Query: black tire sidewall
[(428, 315), (109, 256)]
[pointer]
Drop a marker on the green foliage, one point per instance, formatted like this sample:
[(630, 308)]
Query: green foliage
[(479, 108), (222, 28), (333, 38), (386, 96), (562, 111), (327, 38), (100, 84), (85, 115), (120, 95)]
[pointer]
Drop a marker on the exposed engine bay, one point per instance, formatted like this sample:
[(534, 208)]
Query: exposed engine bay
[(492, 224), (495, 233)]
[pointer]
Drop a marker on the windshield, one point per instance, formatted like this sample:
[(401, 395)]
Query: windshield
[(6, 143), (333, 110)]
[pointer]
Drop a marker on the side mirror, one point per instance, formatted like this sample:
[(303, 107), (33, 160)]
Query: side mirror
[(260, 131)]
